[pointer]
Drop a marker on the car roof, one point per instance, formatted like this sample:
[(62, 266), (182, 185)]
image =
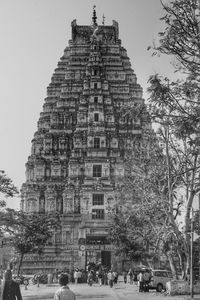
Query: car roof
[(155, 270)]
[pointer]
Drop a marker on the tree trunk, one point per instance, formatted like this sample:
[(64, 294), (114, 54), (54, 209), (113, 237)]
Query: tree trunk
[(172, 265), (20, 263)]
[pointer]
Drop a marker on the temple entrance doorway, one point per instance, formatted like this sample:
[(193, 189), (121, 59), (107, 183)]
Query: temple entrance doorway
[(106, 259)]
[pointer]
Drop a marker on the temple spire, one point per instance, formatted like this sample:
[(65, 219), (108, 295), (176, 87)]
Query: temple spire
[(94, 18), (103, 22)]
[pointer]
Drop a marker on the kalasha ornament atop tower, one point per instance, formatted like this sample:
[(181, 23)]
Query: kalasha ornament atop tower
[(78, 149)]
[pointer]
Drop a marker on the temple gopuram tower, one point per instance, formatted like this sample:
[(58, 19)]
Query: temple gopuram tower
[(78, 149)]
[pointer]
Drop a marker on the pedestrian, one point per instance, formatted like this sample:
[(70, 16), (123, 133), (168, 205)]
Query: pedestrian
[(100, 276), (76, 276), (115, 277), (125, 276), (90, 277), (135, 277), (111, 278), (79, 275), (10, 288), (130, 273), (146, 279), (140, 281), (64, 293)]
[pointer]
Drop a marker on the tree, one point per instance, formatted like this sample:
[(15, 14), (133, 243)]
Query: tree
[(29, 232), (175, 107), (7, 188), (139, 222)]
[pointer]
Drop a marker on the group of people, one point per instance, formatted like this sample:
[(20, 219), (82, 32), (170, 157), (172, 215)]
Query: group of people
[(10, 289), (132, 276), (102, 276), (144, 278)]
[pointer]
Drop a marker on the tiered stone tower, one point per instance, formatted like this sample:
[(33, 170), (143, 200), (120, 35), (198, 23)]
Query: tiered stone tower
[(78, 150)]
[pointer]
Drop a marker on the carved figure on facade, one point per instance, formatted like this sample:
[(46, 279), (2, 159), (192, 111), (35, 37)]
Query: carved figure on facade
[(42, 203), (51, 205), (32, 205)]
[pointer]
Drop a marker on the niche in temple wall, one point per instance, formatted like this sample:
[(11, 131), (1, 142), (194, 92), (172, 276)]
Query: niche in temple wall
[(54, 119), (73, 170), (110, 119), (58, 237), (42, 203), (86, 85), (119, 170), (129, 144), (67, 239), (29, 173), (47, 144), (55, 170), (78, 143), (114, 143), (59, 204), (62, 143), (110, 201), (85, 202), (77, 204), (51, 204), (105, 170), (68, 202), (88, 169), (38, 148), (31, 205), (82, 118), (39, 171)]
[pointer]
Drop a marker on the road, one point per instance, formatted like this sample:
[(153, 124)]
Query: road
[(120, 291)]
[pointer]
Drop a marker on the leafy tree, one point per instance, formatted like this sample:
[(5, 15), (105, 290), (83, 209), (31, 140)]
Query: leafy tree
[(7, 188), (29, 232), (139, 222), (175, 107)]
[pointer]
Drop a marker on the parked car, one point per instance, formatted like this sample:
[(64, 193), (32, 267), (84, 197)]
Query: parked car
[(159, 278)]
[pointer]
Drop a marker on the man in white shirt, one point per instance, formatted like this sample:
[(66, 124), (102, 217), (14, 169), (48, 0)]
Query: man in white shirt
[(64, 293)]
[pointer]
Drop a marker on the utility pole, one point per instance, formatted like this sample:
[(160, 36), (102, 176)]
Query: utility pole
[(199, 236), (191, 257)]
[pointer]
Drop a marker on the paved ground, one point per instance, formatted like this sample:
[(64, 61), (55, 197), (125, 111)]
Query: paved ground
[(120, 291)]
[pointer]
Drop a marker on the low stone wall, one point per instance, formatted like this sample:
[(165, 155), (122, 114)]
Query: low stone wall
[(181, 287)]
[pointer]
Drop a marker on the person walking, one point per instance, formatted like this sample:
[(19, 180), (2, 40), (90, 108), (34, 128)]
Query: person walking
[(125, 276), (76, 276), (130, 273), (90, 277), (64, 293), (111, 278), (10, 289), (140, 281), (146, 279), (100, 276)]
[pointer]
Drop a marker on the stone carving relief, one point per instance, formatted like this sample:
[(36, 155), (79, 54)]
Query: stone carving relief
[(59, 204), (51, 205), (42, 203), (58, 237), (31, 205), (68, 203), (55, 170), (76, 204)]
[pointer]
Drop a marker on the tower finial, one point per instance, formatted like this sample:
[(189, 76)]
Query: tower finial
[(103, 22), (94, 18)]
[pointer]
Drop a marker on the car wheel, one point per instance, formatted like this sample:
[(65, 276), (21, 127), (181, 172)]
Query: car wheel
[(159, 287)]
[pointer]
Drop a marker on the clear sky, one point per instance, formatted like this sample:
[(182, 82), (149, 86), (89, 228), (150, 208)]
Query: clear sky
[(33, 36)]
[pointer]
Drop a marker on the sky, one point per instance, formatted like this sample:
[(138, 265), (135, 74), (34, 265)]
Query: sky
[(34, 34)]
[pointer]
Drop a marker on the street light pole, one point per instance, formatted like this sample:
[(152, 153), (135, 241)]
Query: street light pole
[(191, 257)]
